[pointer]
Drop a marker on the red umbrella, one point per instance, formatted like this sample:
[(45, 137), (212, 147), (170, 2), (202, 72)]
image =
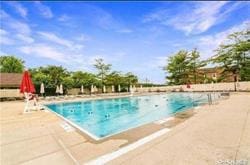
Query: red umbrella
[(26, 84)]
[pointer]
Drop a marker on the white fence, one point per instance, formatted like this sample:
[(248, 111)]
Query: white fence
[(6, 93), (240, 86)]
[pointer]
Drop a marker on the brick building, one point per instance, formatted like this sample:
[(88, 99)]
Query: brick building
[(215, 74)]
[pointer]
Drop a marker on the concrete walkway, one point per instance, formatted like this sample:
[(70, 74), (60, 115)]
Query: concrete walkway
[(217, 134)]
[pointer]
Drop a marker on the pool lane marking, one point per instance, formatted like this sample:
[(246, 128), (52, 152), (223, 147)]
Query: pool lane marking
[(164, 120), (110, 156), (198, 107)]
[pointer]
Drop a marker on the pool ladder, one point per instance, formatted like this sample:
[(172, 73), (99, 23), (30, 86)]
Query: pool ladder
[(209, 97)]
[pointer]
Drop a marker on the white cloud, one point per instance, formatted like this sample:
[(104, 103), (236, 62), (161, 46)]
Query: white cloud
[(54, 38), (68, 58), (44, 10), (19, 26), (3, 32), (160, 61), (205, 44), (208, 43), (61, 41), (195, 19), (105, 19), (12, 23), (19, 8), (5, 39), (3, 14), (25, 38), (20, 29), (44, 50), (64, 18)]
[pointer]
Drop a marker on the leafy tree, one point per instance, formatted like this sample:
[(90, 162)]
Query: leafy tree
[(83, 78), (78, 77), (130, 78), (114, 78), (39, 77), (50, 75), (193, 66), (124, 80), (177, 68), (234, 56), (11, 64), (103, 69), (68, 82)]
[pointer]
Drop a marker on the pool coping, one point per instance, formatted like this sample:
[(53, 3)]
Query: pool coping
[(75, 125), (115, 154)]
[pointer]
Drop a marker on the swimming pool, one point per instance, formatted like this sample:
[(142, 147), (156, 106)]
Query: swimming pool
[(105, 117)]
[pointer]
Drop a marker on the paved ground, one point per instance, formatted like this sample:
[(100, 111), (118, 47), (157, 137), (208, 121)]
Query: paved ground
[(218, 132)]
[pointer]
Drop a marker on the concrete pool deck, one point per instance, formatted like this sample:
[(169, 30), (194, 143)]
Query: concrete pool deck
[(214, 133)]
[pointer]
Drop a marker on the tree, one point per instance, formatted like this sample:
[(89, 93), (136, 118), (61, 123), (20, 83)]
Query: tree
[(68, 82), (103, 69), (39, 77), (234, 55), (193, 66), (50, 75), (11, 64), (130, 78), (177, 68), (83, 78), (114, 78)]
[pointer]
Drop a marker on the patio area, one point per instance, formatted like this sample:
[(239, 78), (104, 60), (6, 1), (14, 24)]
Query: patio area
[(208, 135)]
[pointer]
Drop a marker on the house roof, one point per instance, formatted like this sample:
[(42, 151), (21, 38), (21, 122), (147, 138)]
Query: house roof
[(10, 79)]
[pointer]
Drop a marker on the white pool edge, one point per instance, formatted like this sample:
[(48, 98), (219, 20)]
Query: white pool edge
[(73, 124), (164, 120), (113, 155)]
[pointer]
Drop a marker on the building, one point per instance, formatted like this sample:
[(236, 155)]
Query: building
[(10, 80), (216, 74), (9, 85)]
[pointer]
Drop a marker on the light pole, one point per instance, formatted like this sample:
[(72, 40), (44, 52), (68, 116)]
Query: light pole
[(235, 79)]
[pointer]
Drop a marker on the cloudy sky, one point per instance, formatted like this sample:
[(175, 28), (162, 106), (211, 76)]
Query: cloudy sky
[(132, 36)]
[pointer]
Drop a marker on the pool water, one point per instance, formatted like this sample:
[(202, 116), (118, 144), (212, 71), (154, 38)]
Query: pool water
[(105, 117)]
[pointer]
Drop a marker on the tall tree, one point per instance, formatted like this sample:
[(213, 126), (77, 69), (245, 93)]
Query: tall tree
[(11, 64), (234, 55), (177, 68), (103, 69), (194, 64)]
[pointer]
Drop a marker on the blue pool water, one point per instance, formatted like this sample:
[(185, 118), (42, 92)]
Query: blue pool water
[(102, 118)]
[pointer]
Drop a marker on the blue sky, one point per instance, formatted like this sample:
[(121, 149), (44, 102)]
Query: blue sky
[(132, 36)]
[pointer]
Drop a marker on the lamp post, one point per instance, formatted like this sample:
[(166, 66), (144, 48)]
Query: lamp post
[(235, 80)]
